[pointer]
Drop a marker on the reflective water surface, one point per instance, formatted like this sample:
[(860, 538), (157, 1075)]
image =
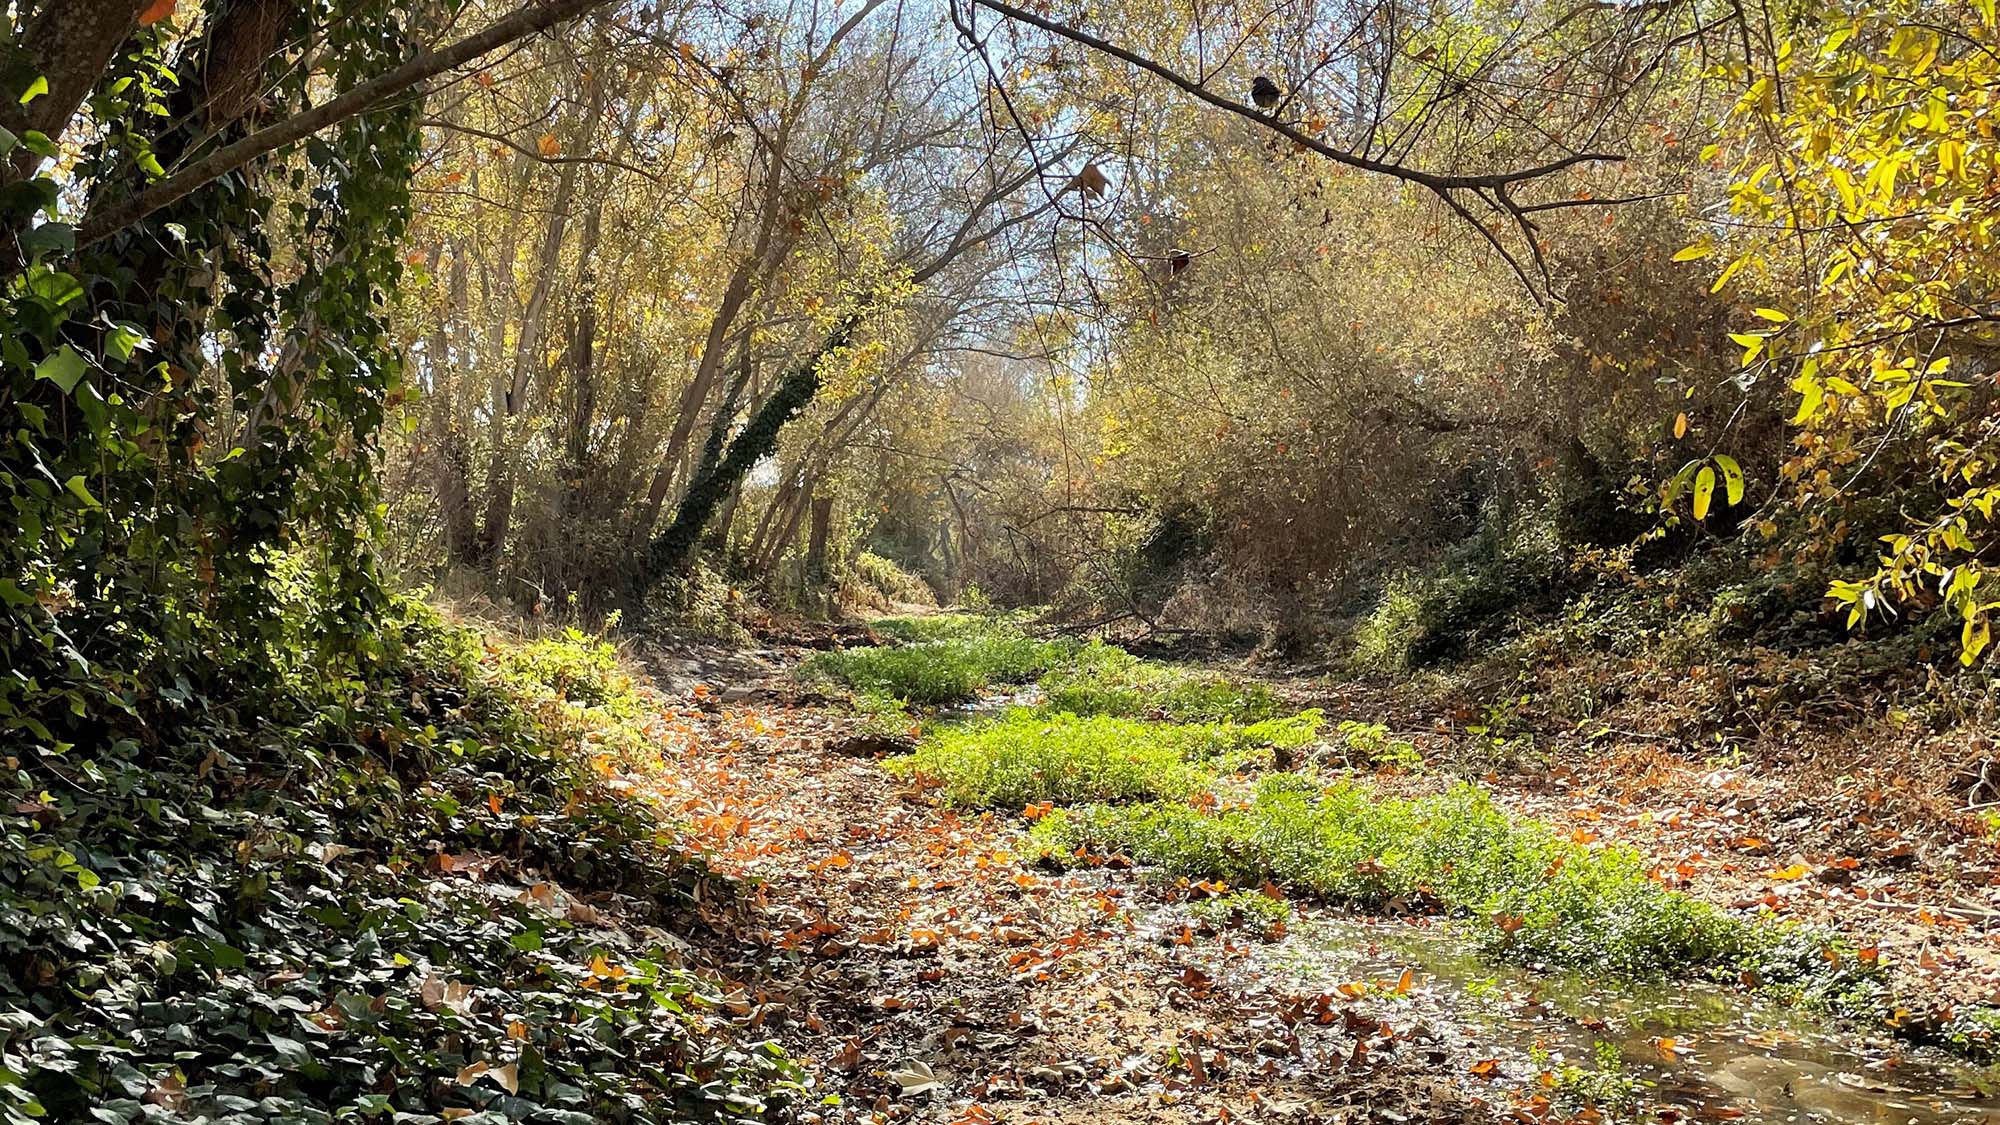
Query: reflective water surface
[(1710, 1053)]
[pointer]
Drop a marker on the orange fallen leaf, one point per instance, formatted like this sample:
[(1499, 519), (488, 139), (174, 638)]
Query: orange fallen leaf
[(836, 860)]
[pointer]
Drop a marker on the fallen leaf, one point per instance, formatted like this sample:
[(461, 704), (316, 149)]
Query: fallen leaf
[(915, 1077)]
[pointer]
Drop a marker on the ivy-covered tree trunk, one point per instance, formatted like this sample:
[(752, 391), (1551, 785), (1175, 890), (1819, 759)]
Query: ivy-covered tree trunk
[(673, 549)]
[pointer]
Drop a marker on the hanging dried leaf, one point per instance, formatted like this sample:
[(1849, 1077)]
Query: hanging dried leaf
[(1091, 181)]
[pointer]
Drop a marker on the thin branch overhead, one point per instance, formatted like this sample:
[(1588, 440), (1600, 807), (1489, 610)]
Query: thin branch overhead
[(1483, 199)]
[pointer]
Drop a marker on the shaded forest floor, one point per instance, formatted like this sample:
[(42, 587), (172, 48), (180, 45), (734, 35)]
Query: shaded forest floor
[(925, 968)]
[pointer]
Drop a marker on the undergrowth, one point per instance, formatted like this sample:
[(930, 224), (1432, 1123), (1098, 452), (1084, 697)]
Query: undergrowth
[(1526, 892), (1025, 757), (873, 581), (1104, 680), (950, 662), (949, 658), (1172, 794), (1262, 915), (948, 626), (355, 896)]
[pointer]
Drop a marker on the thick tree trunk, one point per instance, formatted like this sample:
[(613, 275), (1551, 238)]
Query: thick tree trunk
[(69, 44)]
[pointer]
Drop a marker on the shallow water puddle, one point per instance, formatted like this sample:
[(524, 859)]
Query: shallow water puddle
[(1706, 1053)]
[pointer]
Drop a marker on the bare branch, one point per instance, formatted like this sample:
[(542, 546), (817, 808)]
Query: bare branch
[(353, 103)]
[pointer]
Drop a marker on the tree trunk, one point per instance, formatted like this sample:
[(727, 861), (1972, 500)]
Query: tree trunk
[(461, 534), (727, 519), (822, 526), (69, 44), (788, 526), (781, 500), (582, 368), (673, 549), (513, 393), (688, 411)]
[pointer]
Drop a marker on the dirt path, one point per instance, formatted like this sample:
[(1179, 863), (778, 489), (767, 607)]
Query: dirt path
[(923, 971)]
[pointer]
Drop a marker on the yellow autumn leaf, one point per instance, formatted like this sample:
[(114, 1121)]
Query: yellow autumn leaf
[(1680, 426), (1704, 491)]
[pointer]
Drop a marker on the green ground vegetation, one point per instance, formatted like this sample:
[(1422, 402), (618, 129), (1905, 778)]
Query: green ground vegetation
[(1207, 800), (352, 898), (1026, 756), (943, 660), (1105, 680)]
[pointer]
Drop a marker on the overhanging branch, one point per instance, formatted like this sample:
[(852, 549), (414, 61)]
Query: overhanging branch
[(359, 100), (1492, 189)]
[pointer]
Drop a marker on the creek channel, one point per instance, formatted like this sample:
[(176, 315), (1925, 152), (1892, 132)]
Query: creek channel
[(1687, 1050)]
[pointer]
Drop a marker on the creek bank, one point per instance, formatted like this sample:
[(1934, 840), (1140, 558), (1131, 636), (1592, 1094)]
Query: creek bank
[(979, 987)]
